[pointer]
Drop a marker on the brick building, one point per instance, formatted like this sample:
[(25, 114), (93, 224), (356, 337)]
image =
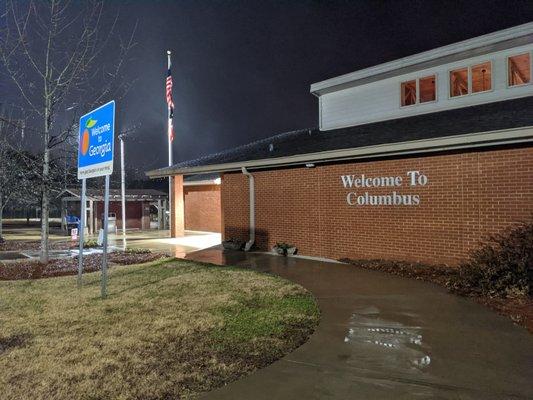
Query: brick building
[(417, 159)]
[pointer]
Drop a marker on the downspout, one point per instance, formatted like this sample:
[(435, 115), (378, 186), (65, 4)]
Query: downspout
[(251, 241)]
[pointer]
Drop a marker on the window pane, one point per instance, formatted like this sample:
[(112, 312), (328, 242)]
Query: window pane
[(519, 69), (408, 93), (481, 77), (459, 82), (427, 89)]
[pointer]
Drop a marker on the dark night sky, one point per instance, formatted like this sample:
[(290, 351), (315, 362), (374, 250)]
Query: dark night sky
[(242, 69)]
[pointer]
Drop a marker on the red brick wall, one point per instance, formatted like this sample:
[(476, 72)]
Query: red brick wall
[(202, 208), (469, 196)]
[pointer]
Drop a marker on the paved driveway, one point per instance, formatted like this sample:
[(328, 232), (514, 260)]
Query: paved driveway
[(384, 337)]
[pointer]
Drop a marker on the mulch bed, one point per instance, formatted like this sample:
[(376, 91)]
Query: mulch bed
[(29, 269), (20, 245), (518, 309)]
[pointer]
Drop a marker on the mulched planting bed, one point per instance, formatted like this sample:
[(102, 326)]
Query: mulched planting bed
[(32, 269), (19, 245), (517, 308)]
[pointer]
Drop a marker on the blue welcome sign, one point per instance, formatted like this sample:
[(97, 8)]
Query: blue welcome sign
[(96, 142)]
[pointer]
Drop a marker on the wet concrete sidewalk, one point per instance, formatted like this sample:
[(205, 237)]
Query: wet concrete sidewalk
[(384, 337)]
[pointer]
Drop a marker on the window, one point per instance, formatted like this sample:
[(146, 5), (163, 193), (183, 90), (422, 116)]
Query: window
[(427, 89), (408, 93), (481, 77), (418, 91), (474, 79), (519, 70), (459, 82)]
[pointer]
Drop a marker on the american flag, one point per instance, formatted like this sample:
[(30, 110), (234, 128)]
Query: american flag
[(170, 104)]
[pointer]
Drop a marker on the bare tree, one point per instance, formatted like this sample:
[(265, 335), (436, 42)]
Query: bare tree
[(10, 169), (58, 53)]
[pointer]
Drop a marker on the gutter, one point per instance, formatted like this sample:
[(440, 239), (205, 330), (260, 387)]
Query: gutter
[(412, 147), (251, 186)]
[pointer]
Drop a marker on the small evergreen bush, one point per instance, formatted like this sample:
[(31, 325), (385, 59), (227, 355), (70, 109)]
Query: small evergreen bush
[(502, 267), (137, 250), (91, 243)]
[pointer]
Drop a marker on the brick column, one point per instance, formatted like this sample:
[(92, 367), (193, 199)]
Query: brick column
[(177, 211)]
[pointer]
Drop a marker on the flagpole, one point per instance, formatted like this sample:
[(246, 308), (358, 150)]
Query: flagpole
[(169, 127)]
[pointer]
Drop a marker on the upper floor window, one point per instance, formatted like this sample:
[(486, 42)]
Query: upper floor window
[(481, 77), (416, 91), (474, 79), (427, 89), (519, 70), (459, 82)]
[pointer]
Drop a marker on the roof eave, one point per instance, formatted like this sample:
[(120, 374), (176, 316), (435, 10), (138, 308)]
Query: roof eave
[(447, 143), (490, 39)]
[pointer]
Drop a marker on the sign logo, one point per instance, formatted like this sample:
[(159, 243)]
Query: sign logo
[(96, 142), (85, 140)]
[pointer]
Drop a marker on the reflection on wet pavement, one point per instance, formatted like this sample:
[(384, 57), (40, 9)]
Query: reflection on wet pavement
[(400, 346)]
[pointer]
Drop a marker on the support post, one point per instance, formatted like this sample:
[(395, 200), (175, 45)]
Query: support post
[(177, 210), (123, 190), (81, 232), (64, 227), (159, 215), (104, 255), (91, 218)]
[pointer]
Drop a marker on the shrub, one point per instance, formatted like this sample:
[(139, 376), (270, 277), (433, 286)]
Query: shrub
[(502, 267), (284, 248), (283, 245), (137, 250), (233, 244)]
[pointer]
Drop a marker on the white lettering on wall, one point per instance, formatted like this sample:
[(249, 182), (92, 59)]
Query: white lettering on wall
[(395, 198)]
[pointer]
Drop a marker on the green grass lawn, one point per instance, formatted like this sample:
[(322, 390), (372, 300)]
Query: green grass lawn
[(167, 330)]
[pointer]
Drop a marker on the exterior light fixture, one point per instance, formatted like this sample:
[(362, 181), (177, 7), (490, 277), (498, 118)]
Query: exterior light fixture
[(310, 165)]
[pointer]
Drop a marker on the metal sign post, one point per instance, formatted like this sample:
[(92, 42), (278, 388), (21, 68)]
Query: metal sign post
[(123, 189), (95, 158), (81, 233), (106, 223)]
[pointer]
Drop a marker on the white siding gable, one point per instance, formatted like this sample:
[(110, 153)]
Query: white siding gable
[(379, 100)]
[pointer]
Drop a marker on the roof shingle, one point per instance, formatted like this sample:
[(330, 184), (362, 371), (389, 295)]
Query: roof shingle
[(482, 118)]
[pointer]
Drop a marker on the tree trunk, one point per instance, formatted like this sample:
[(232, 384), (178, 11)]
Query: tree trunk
[(46, 189), (1, 217), (44, 219)]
